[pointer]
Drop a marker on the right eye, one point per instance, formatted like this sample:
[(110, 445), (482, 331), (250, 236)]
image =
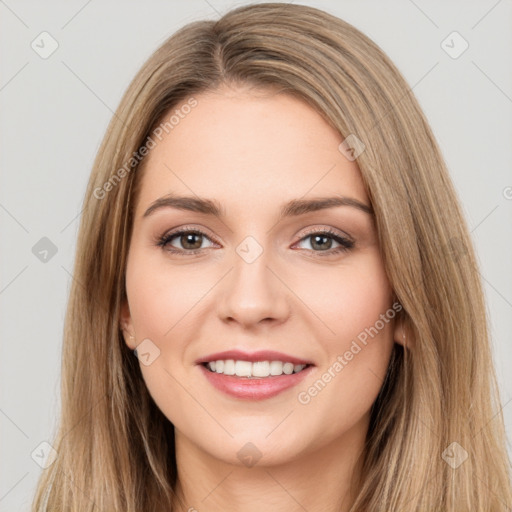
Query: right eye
[(189, 239)]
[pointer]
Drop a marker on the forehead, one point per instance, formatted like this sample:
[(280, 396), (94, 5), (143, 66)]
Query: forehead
[(250, 148)]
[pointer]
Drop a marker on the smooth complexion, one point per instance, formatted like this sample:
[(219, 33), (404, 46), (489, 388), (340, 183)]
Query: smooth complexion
[(251, 152)]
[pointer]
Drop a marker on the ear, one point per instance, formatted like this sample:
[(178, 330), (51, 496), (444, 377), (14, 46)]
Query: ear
[(126, 326), (402, 334)]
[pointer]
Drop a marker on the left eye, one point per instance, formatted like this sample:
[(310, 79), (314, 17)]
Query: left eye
[(323, 241)]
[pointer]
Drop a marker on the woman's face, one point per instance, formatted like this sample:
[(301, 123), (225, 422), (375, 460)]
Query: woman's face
[(259, 284)]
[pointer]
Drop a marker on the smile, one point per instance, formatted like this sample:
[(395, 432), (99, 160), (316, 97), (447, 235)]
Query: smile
[(256, 376)]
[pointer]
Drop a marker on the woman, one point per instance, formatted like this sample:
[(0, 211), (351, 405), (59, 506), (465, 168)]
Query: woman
[(276, 303)]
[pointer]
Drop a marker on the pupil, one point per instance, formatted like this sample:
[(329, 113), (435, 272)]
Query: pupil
[(321, 237), (189, 239)]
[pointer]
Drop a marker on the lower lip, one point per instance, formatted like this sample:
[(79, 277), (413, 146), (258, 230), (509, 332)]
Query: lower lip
[(255, 388)]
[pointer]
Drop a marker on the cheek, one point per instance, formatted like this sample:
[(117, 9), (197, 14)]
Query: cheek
[(161, 301), (364, 325), (164, 305), (160, 307), (356, 306), (349, 298)]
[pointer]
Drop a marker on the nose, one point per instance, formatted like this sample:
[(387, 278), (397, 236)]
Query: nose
[(253, 294)]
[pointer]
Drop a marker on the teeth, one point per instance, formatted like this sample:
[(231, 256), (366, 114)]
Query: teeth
[(256, 369), (243, 368), (260, 369), (276, 368), (229, 367), (288, 368)]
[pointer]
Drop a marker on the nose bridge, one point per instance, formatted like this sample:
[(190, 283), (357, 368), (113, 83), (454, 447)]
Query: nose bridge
[(252, 292)]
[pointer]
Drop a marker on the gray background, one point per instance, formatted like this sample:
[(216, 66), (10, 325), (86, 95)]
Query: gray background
[(54, 112)]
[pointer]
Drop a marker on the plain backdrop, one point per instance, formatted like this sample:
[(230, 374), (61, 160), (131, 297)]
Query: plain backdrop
[(54, 112)]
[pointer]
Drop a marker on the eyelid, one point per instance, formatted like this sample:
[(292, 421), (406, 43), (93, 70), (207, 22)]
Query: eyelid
[(201, 229), (326, 229)]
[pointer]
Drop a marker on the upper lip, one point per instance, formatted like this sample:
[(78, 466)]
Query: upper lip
[(260, 355)]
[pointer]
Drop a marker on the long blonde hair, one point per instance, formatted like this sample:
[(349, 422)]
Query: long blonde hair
[(115, 447)]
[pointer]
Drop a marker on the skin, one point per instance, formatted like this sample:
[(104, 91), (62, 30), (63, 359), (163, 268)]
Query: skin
[(252, 151)]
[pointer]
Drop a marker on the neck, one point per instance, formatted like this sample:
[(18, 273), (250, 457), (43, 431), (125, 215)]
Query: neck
[(317, 481)]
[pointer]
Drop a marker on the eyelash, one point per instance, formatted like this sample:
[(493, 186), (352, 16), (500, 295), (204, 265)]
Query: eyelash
[(345, 243)]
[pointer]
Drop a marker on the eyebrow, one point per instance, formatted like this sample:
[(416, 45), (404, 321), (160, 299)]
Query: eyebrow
[(292, 208)]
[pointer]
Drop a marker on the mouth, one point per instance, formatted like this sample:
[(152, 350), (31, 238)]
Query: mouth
[(254, 376)]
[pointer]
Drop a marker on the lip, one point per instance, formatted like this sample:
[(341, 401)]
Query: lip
[(260, 355), (253, 388)]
